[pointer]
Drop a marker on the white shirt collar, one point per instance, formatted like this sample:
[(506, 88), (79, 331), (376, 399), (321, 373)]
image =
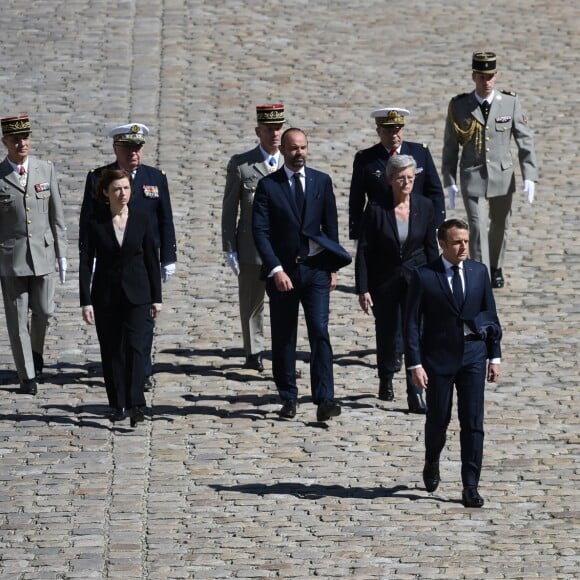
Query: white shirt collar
[(448, 265), (16, 167), (488, 99), (267, 155), (290, 173)]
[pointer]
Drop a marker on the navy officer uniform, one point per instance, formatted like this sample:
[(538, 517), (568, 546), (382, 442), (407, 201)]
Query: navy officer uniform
[(368, 182), (150, 195)]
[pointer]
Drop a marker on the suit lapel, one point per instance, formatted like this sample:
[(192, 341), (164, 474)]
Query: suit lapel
[(476, 111), (10, 176), (444, 283)]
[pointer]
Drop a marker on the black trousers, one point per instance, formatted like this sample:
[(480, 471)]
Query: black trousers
[(120, 330), (469, 382)]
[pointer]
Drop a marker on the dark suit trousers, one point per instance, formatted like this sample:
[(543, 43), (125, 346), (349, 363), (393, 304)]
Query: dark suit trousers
[(121, 330), (470, 384), (312, 290)]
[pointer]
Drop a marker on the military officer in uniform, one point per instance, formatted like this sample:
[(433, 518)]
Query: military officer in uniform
[(369, 182), (150, 195), (482, 123), (244, 171), (32, 243), (368, 172)]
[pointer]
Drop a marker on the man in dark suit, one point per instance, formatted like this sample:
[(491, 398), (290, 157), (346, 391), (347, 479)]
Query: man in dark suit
[(295, 229), (32, 240), (452, 330), (368, 172), (243, 174), (150, 195)]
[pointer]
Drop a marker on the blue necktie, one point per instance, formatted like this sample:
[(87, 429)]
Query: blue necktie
[(298, 194), (457, 287), (272, 161)]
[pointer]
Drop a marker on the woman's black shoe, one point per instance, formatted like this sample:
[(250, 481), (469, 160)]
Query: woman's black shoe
[(137, 417), (118, 415)]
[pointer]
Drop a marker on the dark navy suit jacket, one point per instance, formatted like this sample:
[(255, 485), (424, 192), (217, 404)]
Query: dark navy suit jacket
[(131, 269), (150, 194), (435, 325), (381, 259), (278, 228), (369, 181)]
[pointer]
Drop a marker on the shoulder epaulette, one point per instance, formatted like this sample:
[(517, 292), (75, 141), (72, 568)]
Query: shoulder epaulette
[(511, 93), (457, 97)]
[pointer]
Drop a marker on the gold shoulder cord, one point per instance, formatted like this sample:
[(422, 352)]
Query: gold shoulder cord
[(464, 136)]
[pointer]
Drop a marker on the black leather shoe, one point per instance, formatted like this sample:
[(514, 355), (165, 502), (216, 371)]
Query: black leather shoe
[(327, 409), (471, 498), (28, 387), (386, 390), (399, 362), (497, 280), (416, 403), (254, 362), (118, 415), (137, 416), (38, 362), (431, 476), (288, 409)]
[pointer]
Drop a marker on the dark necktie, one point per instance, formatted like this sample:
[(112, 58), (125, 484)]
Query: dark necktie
[(298, 194), (485, 106), (457, 287)]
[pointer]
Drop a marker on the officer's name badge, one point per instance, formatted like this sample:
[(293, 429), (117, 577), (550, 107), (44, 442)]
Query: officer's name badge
[(42, 187), (151, 191), (504, 119)]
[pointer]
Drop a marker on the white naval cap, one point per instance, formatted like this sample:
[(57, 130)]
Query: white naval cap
[(390, 116), (130, 133)]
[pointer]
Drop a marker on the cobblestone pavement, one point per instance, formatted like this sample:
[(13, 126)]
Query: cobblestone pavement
[(214, 485)]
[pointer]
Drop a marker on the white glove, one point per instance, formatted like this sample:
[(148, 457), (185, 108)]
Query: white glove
[(530, 189), (452, 191), (167, 270), (233, 263), (62, 269)]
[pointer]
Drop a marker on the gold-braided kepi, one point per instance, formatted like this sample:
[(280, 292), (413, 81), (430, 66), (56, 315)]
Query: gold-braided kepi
[(270, 114), (15, 125), (484, 63)]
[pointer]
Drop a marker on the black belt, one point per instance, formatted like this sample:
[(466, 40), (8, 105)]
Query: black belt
[(301, 259), (470, 337)]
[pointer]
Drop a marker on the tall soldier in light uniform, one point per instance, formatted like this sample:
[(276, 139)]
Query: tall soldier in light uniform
[(32, 242), (482, 123), (150, 195), (243, 173)]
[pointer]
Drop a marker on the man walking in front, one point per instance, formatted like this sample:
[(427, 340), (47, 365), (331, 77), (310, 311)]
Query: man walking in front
[(295, 228), (452, 331)]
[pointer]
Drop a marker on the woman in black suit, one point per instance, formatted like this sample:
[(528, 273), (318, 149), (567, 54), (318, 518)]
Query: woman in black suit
[(397, 236), (126, 285)]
